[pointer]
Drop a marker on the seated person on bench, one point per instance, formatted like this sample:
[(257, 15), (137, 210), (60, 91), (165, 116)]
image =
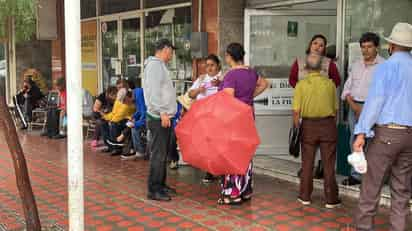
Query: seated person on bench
[(27, 100)]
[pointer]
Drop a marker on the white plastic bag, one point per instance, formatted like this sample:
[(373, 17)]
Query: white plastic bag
[(358, 161)]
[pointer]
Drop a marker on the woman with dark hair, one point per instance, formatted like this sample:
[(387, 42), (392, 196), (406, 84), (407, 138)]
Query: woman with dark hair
[(103, 104), (316, 45), (243, 83), (206, 85)]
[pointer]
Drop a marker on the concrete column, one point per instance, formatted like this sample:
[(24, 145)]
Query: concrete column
[(74, 114)]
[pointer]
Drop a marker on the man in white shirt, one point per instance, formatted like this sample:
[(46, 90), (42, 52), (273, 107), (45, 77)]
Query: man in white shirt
[(356, 87)]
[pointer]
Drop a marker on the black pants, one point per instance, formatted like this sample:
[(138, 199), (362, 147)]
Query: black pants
[(52, 123), (110, 131), (173, 153), (159, 145)]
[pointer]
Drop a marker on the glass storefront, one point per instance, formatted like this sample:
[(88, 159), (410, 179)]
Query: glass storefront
[(377, 16), (174, 24), (121, 36), (131, 64), (109, 52)]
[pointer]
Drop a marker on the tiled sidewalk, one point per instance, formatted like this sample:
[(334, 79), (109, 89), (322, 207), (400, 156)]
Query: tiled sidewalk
[(115, 197)]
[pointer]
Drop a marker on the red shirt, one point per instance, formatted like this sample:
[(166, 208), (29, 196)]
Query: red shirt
[(62, 100), (294, 72)]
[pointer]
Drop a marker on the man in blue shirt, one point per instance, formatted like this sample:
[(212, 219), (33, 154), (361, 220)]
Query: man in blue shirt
[(387, 117)]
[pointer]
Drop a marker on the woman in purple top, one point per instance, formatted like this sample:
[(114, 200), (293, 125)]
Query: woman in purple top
[(243, 83)]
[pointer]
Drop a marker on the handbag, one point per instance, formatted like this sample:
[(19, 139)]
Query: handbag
[(294, 141)]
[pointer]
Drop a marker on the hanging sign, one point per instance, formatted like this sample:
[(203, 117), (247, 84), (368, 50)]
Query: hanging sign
[(278, 96)]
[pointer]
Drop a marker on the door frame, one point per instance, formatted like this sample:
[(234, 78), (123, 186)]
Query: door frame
[(279, 150), (119, 18)]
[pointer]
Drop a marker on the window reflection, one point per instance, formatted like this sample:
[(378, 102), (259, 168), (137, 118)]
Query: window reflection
[(173, 24)]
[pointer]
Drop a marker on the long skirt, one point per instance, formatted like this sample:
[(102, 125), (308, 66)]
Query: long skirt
[(237, 185)]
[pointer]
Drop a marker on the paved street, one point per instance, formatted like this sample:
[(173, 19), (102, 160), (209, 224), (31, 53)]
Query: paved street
[(115, 197)]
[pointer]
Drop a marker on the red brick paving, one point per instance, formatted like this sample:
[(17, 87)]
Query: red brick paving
[(115, 198)]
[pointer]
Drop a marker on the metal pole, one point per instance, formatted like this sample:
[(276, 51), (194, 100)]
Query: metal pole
[(74, 112)]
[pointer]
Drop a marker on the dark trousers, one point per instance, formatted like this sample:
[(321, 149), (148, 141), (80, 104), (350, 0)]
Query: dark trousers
[(390, 152), (53, 121), (110, 131), (159, 145), (319, 133), (98, 129), (105, 131), (173, 153)]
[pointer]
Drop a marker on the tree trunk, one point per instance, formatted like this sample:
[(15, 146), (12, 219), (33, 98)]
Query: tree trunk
[(20, 167)]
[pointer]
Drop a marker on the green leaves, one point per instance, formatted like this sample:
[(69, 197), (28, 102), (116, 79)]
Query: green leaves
[(24, 15)]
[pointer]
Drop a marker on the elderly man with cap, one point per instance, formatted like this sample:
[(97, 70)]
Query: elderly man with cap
[(387, 117), (160, 99)]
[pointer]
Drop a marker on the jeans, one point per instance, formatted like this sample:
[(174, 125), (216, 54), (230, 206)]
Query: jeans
[(137, 141), (352, 123), (159, 145)]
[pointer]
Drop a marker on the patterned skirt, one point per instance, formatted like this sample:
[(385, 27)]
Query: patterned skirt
[(237, 185)]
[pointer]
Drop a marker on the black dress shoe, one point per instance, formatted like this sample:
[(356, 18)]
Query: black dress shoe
[(59, 136), (107, 150), (116, 152), (159, 196), (169, 190), (350, 181)]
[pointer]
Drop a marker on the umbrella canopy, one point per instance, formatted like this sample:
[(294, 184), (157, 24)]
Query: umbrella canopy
[(218, 135)]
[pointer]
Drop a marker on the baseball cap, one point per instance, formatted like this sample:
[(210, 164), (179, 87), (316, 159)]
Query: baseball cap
[(162, 43)]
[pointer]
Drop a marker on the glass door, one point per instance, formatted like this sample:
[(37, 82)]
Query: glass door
[(121, 50), (110, 53), (273, 40), (131, 62)]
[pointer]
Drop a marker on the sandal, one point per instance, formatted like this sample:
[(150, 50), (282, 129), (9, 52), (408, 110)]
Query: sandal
[(229, 200)]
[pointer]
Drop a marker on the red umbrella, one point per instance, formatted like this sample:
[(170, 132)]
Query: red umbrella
[(218, 135)]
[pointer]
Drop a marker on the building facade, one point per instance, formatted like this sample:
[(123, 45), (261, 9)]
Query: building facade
[(118, 35)]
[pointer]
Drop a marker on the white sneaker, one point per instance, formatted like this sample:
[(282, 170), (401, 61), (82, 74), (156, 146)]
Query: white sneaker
[(173, 165), (132, 156), (304, 202), (333, 205)]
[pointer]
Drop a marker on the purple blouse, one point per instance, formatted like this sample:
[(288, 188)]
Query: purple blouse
[(244, 82)]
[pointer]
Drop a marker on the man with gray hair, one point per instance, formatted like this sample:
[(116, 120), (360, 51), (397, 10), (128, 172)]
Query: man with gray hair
[(160, 99), (315, 104)]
